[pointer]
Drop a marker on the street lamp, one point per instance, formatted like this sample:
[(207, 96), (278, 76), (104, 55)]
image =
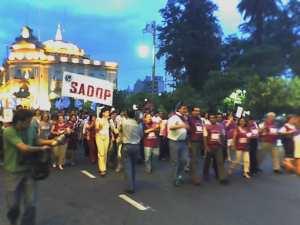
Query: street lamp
[(152, 28)]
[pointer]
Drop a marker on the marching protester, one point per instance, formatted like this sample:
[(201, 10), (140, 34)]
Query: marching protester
[(114, 140), (60, 129), (21, 143), (45, 126), (150, 140), (230, 126), (73, 125), (213, 145), (102, 139), (90, 130), (241, 139), (253, 145), (196, 145), (164, 152), (291, 142), (269, 136), (287, 133), (177, 135), (131, 134)]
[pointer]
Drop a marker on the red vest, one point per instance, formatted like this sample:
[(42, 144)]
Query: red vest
[(271, 133), (242, 139), (214, 133), (253, 128), (196, 129), (150, 139)]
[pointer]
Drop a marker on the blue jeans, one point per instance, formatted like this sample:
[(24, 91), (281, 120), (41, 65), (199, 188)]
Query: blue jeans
[(20, 196), (179, 156), (130, 153)]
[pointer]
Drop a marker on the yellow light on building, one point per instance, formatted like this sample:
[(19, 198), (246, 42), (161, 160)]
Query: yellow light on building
[(75, 60), (97, 63), (86, 61), (64, 59)]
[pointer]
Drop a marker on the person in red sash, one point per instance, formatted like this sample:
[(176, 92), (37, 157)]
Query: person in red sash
[(291, 131), (91, 134), (253, 145), (269, 135), (241, 138), (151, 150), (230, 126), (195, 143), (213, 145), (287, 133)]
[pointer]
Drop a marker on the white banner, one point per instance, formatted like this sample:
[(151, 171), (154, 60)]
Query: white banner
[(87, 88)]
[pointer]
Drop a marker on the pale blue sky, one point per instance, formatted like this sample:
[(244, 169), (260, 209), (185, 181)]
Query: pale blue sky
[(107, 30)]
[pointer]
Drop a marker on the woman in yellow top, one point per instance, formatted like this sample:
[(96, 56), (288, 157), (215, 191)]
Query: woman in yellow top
[(102, 139)]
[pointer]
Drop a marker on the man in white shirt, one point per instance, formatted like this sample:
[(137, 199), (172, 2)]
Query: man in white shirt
[(177, 135)]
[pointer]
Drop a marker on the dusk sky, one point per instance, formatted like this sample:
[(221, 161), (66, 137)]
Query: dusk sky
[(106, 29)]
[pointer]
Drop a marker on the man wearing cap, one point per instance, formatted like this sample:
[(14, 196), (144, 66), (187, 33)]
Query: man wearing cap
[(268, 131), (177, 134)]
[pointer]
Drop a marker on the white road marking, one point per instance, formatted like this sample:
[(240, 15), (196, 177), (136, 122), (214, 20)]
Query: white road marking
[(88, 174), (133, 203)]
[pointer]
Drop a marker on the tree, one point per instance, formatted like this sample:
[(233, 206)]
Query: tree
[(267, 95), (256, 13), (218, 87), (190, 40)]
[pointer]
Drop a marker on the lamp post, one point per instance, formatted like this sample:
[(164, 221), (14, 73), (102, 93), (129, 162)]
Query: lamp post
[(151, 28)]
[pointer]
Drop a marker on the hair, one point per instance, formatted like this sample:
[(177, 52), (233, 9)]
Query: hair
[(22, 115), (91, 117), (45, 114), (242, 118), (179, 105), (104, 109), (130, 113)]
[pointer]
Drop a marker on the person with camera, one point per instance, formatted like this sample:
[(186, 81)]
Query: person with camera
[(21, 148)]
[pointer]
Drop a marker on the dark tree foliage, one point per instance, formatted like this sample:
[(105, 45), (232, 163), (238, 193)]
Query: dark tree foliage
[(256, 13), (190, 40)]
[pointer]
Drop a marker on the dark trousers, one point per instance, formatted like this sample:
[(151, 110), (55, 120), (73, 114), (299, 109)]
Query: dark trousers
[(85, 147), (164, 151), (130, 153), (195, 149), (217, 156), (92, 150), (253, 145)]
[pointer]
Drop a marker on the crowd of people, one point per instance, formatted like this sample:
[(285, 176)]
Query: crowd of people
[(194, 142)]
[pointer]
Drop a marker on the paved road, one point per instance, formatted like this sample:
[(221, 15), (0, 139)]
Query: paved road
[(71, 198)]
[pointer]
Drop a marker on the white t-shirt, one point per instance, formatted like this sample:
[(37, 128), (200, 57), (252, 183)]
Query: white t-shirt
[(178, 134)]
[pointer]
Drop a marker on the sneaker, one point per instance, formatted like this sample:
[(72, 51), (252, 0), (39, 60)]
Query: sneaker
[(178, 181), (61, 167), (278, 172), (246, 175), (54, 165)]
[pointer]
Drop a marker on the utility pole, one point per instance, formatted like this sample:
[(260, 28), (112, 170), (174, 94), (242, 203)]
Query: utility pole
[(152, 29)]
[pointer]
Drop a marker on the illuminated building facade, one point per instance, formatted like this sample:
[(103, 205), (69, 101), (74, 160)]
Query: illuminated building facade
[(32, 73)]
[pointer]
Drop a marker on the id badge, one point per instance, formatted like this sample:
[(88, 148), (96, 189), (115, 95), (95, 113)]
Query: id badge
[(215, 137), (273, 130), (243, 140), (199, 129), (255, 131), (151, 135)]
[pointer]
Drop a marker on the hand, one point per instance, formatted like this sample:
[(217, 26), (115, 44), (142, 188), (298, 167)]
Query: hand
[(54, 143), (45, 148)]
